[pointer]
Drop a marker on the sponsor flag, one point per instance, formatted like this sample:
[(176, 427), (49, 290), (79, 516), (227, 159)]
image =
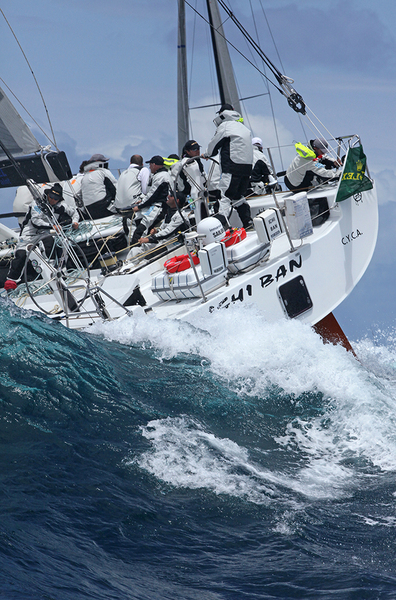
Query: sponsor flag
[(353, 180)]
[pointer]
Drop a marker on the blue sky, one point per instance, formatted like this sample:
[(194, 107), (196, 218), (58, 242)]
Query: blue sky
[(107, 72)]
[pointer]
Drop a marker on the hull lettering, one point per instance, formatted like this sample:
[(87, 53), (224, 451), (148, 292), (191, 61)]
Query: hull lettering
[(264, 281), (347, 239)]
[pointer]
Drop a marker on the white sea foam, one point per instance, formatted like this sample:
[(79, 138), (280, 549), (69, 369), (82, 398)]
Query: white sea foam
[(351, 440), (187, 456), (240, 345)]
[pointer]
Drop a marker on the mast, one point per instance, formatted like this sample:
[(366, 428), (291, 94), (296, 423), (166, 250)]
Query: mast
[(225, 74), (183, 130)]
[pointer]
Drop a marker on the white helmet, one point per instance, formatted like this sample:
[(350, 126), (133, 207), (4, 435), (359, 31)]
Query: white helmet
[(212, 228)]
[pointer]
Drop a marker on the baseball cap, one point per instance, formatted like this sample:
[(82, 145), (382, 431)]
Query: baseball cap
[(55, 191), (191, 145), (156, 160), (98, 158)]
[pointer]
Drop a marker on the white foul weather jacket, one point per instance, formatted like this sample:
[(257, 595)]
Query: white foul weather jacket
[(36, 222), (130, 185), (190, 176), (98, 184), (305, 166), (158, 188), (234, 142)]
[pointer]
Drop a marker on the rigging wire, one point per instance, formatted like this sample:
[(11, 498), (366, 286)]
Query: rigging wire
[(279, 57), (268, 88), (37, 85), (211, 75), (313, 127), (272, 37), (191, 70), (26, 110), (295, 101), (235, 48), (256, 46)]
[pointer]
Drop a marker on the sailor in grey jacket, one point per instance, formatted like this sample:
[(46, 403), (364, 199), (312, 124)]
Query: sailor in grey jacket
[(234, 143)]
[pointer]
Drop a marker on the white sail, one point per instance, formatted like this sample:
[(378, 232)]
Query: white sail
[(15, 135)]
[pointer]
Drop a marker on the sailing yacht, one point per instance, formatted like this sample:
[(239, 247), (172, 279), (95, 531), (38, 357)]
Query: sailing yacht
[(303, 257)]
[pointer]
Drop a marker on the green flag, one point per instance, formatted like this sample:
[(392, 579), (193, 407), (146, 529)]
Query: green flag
[(353, 180)]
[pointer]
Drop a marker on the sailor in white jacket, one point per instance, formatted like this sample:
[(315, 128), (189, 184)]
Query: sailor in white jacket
[(309, 167), (234, 143), (189, 172), (151, 207), (98, 188), (36, 223), (176, 220), (131, 184), (262, 178)]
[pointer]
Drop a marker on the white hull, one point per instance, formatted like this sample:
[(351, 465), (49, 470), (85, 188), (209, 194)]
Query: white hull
[(330, 262)]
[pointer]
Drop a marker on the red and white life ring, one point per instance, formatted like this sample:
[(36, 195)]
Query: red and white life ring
[(180, 263), (233, 236)]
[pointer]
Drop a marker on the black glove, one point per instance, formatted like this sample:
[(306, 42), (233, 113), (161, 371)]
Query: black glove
[(60, 210), (78, 200), (44, 207), (327, 163)]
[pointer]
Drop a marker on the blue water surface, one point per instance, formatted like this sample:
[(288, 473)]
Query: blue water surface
[(160, 461)]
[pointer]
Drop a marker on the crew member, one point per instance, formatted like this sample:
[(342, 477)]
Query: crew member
[(189, 171), (132, 183), (175, 221), (38, 221), (262, 179), (307, 170), (98, 188), (234, 143), (152, 206)]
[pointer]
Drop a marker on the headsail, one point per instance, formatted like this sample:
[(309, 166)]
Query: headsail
[(21, 155), (15, 135)]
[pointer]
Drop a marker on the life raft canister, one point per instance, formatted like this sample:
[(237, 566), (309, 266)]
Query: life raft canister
[(233, 236), (180, 263)]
